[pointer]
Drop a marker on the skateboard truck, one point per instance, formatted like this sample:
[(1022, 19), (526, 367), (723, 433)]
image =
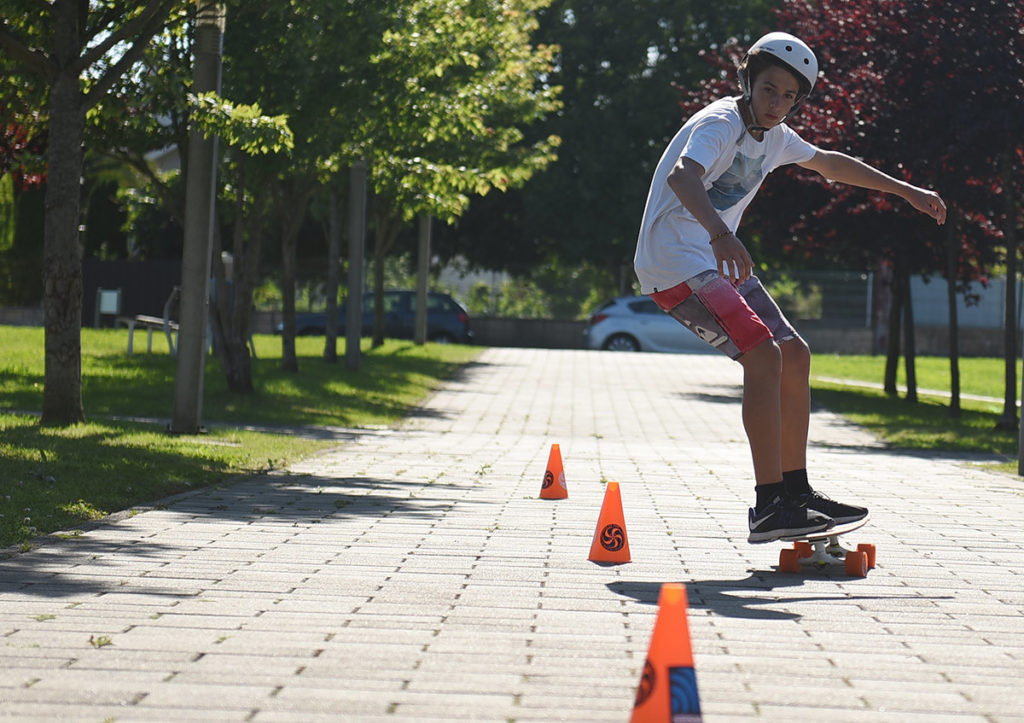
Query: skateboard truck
[(824, 549)]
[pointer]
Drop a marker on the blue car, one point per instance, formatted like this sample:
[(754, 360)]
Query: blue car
[(447, 321)]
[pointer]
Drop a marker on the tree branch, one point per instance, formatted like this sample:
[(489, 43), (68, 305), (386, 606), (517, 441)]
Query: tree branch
[(138, 27), (34, 60), (142, 28), (171, 203)]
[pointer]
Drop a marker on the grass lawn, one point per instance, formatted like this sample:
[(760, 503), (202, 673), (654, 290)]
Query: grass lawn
[(980, 376), (54, 478), (926, 425)]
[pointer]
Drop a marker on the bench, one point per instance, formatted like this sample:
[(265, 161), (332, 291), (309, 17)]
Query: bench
[(150, 324), (154, 323)]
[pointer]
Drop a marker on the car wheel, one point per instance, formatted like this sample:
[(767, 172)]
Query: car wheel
[(621, 342)]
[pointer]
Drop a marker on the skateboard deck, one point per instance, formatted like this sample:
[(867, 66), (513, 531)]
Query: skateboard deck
[(823, 549)]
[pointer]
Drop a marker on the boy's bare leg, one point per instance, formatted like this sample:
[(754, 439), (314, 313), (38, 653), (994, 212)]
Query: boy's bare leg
[(762, 414), (795, 403)]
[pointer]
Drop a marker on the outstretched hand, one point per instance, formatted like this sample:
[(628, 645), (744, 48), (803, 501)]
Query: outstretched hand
[(928, 203), (732, 259)]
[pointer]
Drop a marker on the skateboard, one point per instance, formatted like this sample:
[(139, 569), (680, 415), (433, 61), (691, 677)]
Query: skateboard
[(823, 549)]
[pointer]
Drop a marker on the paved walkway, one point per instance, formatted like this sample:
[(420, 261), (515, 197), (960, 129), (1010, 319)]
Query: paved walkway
[(413, 574)]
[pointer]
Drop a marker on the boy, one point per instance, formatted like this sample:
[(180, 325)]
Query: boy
[(691, 262)]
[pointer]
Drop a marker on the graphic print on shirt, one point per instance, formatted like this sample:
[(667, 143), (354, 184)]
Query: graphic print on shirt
[(743, 176)]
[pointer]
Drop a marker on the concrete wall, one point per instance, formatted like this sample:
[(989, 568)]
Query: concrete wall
[(536, 333), (22, 315)]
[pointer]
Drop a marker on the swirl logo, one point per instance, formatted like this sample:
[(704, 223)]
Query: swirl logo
[(549, 479), (646, 687), (613, 538)]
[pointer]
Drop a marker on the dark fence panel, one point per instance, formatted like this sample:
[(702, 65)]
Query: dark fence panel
[(145, 286)]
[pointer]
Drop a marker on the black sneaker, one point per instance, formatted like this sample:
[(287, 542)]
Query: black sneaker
[(842, 514), (785, 517)]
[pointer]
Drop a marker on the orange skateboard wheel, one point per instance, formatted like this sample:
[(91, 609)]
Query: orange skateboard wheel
[(869, 550), (789, 560), (803, 548), (857, 563)]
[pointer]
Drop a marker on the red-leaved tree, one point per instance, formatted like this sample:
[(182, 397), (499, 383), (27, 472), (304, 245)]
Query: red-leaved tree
[(930, 92)]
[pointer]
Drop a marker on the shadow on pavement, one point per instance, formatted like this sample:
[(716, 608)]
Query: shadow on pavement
[(744, 598), (726, 396), (127, 558)]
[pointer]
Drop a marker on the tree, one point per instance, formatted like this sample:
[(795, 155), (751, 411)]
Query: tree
[(888, 71), (317, 46), (616, 64), (21, 178), (77, 50), (457, 84), (250, 137), (908, 59)]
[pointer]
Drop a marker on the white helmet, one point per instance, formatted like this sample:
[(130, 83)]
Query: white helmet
[(788, 50)]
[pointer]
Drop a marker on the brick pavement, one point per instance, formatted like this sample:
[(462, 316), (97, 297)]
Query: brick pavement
[(412, 574)]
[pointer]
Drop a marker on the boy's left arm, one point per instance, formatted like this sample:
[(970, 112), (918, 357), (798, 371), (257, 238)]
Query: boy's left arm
[(840, 167)]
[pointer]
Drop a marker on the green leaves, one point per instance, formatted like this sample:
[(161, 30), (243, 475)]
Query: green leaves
[(241, 125), (457, 84)]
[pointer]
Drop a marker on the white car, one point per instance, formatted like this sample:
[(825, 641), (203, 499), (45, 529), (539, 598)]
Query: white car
[(636, 323)]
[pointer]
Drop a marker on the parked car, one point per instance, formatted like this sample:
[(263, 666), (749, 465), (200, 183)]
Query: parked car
[(447, 321), (636, 323)]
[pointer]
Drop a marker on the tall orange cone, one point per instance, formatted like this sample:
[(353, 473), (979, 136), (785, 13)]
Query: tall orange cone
[(553, 487), (668, 687), (610, 541)]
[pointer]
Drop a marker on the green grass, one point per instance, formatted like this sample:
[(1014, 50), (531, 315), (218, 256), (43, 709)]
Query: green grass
[(55, 478), (391, 379), (981, 376), (927, 424)]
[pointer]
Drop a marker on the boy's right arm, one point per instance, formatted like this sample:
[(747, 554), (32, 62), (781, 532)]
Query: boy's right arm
[(685, 181)]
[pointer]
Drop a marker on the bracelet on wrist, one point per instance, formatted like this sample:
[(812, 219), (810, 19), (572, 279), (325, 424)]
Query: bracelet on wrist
[(719, 235)]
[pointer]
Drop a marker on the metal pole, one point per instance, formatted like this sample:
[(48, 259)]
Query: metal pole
[(422, 273), (200, 192), (356, 256)]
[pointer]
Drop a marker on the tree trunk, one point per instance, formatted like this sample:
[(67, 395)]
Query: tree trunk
[(385, 233), (1008, 420), (333, 262), (422, 280), (200, 201), (247, 248), (231, 310), (892, 353), (952, 266), (62, 253), (289, 362), (909, 344), (357, 193), (293, 211), (379, 253), (882, 301)]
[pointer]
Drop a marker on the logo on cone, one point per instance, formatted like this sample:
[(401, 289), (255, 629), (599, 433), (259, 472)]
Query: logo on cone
[(613, 538), (646, 686), (553, 487), (611, 544), (667, 692)]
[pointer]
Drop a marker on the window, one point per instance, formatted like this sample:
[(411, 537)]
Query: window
[(645, 306)]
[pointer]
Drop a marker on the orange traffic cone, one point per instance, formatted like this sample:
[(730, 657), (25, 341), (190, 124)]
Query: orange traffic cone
[(668, 687), (610, 542), (553, 487)]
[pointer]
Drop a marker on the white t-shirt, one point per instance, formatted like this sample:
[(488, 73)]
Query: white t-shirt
[(673, 246)]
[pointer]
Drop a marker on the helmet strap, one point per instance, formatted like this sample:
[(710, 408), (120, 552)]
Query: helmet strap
[(752, 126)]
